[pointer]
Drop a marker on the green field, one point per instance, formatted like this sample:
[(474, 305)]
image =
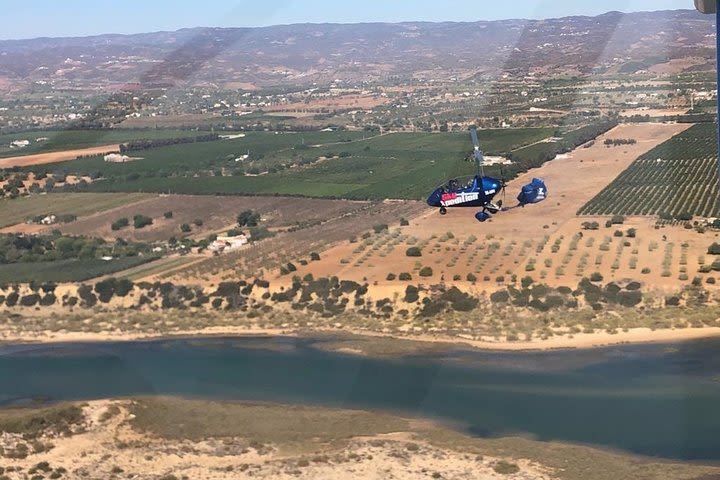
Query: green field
[(267, 149), (398, 165), (678, 177), (70, 139), (20, 209), (67, 270)]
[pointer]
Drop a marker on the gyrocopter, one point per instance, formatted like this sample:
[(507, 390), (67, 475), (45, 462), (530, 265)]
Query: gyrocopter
[(480, 190)]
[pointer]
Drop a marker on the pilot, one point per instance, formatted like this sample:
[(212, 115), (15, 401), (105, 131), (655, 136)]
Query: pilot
[(453, 185)]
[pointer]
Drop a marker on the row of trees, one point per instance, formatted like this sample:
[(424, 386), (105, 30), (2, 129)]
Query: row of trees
[(145, 144), (139, 221), (619, 141), (19, 248)]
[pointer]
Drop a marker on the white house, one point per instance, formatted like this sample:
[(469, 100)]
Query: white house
[(49, 220), (116, 158), (224, 243)]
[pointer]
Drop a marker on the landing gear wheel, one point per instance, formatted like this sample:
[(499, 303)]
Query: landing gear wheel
[(443, 210)]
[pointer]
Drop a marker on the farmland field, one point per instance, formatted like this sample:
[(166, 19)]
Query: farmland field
[(270, 253), (400, 165), (217, 214), (79, 204), (267, 148), (67, 270), (545, 241), (677, 177), (73, 139)]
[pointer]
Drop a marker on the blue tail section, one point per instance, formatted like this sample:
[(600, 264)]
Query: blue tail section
[(533, 192)]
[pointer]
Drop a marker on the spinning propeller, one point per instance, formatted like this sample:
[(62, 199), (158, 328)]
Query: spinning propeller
[(477, 153), (480, 162)]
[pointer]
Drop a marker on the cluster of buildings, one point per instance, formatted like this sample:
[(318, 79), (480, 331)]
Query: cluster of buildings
[(228, 244)]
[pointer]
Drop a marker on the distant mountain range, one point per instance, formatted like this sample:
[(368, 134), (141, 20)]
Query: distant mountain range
[(306, 53)]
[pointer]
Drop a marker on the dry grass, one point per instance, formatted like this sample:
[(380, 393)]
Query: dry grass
[(265, 423), (196, 436)]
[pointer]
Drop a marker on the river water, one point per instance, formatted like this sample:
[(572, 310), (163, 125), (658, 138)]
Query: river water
[(657, 400)]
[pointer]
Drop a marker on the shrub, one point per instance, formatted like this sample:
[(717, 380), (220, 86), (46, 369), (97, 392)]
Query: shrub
[(411, 294), (248, 218), (380, 227), (629, 299), (227, 289), (431, 308), (141, 221), (506, 468), (596, 277), (554, 301), (12, 299), (471, 278), (617, 219), (30, 300), (714, 249), (673, 301), (314, 256), (198, 222), (390, 276), (526, 281), (425, 272), (404, 222), (413, 252), (501, 296), (457, 277), (168, 214), (618, 233), (404, 276), (48, 299), (120, 223), (645, 271), (185, 228), (259, 233), (631, 233)]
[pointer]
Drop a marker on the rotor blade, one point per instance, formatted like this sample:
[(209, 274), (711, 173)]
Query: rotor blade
[(474, 137), (479, 156)]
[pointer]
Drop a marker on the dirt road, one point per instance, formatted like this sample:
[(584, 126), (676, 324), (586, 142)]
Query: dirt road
[(52, 157)]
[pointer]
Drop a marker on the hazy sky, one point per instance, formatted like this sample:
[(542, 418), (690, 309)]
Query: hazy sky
[(54, 18)]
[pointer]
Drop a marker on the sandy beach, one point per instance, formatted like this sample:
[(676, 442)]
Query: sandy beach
[(578, 340)]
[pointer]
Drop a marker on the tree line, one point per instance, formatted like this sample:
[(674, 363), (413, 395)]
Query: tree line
[(144, 144)]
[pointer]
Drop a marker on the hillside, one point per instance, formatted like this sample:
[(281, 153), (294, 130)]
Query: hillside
[(306, 53)]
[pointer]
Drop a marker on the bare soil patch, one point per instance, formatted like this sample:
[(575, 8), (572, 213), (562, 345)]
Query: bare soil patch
[(52, 157)]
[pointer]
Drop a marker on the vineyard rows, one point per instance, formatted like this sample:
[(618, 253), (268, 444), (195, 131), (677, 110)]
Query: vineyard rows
[(677, 177)]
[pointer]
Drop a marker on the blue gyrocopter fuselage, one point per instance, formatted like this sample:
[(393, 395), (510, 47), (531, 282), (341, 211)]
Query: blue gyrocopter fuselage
[(480, 190)]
